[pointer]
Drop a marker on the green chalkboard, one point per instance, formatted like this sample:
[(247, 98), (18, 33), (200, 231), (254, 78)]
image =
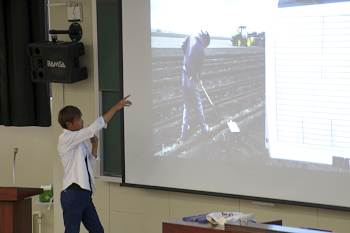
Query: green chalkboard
[(112, 137), (109, 36)]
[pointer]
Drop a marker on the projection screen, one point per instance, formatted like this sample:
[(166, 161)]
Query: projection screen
[(273, 89)]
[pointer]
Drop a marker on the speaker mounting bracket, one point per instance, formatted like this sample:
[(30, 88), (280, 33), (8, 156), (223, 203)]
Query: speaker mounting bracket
[(75, 32)]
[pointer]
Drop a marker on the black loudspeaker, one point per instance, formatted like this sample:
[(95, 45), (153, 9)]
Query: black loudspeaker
[(56, 62)]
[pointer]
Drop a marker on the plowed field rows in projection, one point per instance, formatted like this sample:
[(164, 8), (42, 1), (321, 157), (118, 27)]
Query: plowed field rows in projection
[(235, 82)]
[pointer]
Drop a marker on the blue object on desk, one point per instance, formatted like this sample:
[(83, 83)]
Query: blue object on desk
[(196, 218)]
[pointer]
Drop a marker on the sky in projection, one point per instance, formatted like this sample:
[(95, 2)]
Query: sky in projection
[(219, 18)]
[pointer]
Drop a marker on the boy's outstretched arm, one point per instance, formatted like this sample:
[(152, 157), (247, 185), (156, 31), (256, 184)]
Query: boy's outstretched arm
[(121, 104)]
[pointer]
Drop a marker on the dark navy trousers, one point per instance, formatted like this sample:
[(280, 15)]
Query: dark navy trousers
[(77, 207), (192, 100)]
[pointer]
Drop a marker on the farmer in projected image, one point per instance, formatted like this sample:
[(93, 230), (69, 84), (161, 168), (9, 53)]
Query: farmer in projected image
[(193, 48)]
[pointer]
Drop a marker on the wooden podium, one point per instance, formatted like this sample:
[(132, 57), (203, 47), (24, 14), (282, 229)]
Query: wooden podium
[(16, 209)]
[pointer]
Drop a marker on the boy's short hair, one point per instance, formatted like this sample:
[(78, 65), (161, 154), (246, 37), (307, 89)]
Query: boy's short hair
[(68, 113)]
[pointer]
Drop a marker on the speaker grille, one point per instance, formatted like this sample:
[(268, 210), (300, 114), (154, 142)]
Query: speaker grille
[(57, 62)]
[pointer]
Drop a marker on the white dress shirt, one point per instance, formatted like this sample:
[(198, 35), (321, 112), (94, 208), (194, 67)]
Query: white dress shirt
[(73, 147)]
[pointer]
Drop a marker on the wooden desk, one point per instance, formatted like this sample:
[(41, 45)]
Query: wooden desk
[(16, 209), (180, 226)]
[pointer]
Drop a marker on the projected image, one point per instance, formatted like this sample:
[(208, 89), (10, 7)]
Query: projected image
[(209, 102)]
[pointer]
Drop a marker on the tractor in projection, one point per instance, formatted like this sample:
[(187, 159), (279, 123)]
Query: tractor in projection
[(244, 38)]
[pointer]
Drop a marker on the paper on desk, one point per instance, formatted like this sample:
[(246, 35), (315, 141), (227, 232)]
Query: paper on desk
[(222, 221), (215, 216), (222, 217)]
